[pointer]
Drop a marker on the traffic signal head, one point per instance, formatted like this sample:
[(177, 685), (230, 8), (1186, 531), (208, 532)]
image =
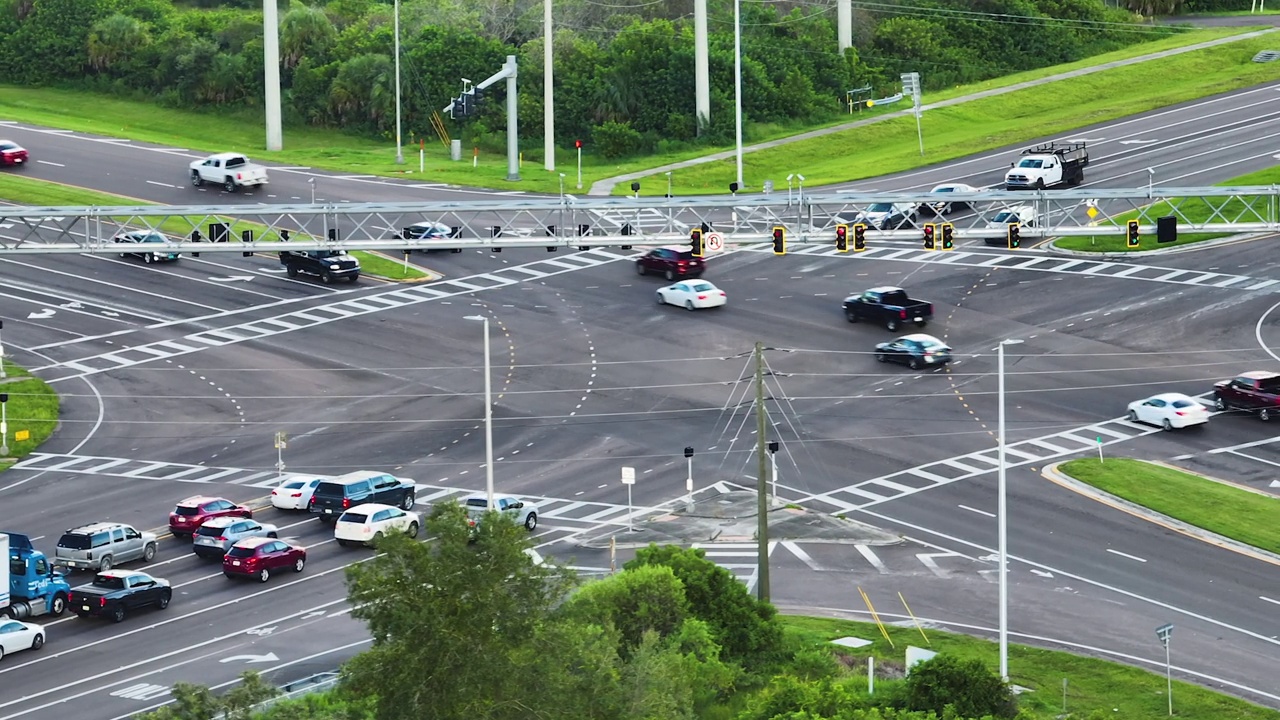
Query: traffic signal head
[(842, 238), (695, 242), (1015, 241), (779, 240), (948, 236), (859, 237), (1132, 237), (928, 236)]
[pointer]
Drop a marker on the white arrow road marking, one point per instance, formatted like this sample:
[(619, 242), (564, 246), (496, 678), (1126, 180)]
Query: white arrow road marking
[(312, 614), (1138, 142), (269, 657), (73, 305), (232, 278), (42, 314), (108, 313), (1042, 573), (261, 631)]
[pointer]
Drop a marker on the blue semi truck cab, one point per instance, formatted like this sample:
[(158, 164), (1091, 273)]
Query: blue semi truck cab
[(30, 585)]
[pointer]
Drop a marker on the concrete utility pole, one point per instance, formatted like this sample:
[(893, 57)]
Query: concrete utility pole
[(762, 484), (399, 141), (737, 84), (701, 71), (548, 92), (271, 74), (513, 142), (844, 24)]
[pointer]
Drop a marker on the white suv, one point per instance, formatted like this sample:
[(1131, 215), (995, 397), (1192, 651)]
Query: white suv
[(366, 524)]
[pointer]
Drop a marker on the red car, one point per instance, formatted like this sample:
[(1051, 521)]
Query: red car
[(12, 154), (193, 512), (671, 262), (257, 557)]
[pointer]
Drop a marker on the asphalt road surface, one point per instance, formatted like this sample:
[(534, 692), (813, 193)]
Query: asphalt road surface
[(176, 377)]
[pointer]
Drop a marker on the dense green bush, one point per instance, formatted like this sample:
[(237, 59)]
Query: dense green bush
[(967, 686)]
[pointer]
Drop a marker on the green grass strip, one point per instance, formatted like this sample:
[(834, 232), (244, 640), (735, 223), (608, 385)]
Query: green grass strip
[(1229, 511), (1111, 689), (1190, 208), (32, 407), (32, 192)]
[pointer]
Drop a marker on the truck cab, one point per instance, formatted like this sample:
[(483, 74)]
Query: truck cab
[(31, 585), (1048, 165), (1021, 215)]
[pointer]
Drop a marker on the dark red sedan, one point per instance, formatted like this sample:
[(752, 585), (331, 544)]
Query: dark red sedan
[(257, 557), (191, 513), (11, 153)]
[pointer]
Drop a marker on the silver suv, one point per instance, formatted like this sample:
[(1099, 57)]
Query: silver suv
[(216, 536), (102, 546)]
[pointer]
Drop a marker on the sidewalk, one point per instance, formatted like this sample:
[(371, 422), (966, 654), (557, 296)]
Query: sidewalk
[(605, 187)]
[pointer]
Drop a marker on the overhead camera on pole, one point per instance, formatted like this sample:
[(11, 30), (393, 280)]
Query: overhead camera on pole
[(467, 105)]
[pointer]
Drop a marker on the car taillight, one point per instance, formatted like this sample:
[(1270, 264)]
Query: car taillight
[(681, 263), (346, 503), (220, 539), (297, 494), (366, 529), (722, 294), (102, 602), (239, 176), (902, 314), (702, 297)]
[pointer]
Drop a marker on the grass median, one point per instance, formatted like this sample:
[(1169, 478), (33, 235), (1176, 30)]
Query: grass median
[(330, 149), (1232, 512), (31, 192), (1193, 209), (31, 411)]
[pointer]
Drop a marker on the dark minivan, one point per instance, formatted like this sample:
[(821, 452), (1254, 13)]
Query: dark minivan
[(333, 497), (671, 263)]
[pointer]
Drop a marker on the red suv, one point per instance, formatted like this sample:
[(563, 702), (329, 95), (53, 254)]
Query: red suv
[(1257, 392), (257, 557), (191, 513), (671, 262), (12, 154)]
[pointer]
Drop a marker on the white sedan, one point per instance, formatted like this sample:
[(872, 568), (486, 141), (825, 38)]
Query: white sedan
[(692, 295), (366, 524), (15, 636), (1169, 411), (295, 493), (943, 207)]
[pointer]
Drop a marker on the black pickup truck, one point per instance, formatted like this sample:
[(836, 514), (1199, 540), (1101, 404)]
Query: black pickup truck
[(327, 265), (337, 495), (888, 305), (115, 593)]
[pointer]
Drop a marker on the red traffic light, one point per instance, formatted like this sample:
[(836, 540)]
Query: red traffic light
[(577, 144)]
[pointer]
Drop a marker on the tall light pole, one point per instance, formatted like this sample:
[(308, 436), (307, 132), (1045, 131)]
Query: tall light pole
[(399, 143), (271, 73), (1002, 516), (737, 83), (488, 413), (548, 91)]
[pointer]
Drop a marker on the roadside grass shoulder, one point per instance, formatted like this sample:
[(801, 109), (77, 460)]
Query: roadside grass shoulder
[(1093, 685), (32, 407), (1232, 512), (243, 130), (1191, 208), (43, 193)]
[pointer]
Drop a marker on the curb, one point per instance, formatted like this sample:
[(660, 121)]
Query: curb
[(1055, 476), (1052, 248), (431, 275)]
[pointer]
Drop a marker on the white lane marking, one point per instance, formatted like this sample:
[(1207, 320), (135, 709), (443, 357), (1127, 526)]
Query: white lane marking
[(1241, 446), (82, 278), (976, 510), (1264, 597), (1126, 555), (47, 162), (168, 185), (872, 558), (800, 553)]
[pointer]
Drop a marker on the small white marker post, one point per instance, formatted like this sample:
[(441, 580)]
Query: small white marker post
[(1100, 460), (282, 442), (629, 479)]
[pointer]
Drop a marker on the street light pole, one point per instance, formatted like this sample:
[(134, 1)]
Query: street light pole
[(488, 413), (1002, 516), (399, 142), (2, 370), (737, 83)]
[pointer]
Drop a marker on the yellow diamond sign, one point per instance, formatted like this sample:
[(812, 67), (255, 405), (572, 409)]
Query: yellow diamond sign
[(1092, 212)]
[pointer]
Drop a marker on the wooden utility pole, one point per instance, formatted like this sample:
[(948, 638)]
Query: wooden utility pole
[(762, 484)]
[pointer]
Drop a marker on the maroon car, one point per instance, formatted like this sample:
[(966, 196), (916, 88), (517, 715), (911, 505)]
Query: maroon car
[(257, 557), (191, 513), (670, 262), (1257, 392), (11, 153)]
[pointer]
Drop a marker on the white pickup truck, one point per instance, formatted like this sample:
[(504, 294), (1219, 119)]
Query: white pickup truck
[(230, 170), (1048, 165)]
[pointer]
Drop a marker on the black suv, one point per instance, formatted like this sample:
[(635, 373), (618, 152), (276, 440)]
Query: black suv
[(324, 264), (670, 262), (334, 496)]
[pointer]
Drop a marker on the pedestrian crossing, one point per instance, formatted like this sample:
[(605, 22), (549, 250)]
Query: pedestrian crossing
[(326, 313), (1042, 263), (1037, 451), (642, 220)]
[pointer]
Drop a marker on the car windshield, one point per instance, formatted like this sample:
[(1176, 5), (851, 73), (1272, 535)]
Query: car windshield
[(8, 146), (241, 552), (110, 583), (74, 542), (209, 531), (1029, 163), (880, 208), (1183, 403), (702, 287), (944, 189), (186, 510), (153, 238), (293, 485), (481, 503), (1005, 217), (350, 517)]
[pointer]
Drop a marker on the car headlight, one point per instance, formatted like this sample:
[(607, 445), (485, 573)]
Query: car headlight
[(335, 267)]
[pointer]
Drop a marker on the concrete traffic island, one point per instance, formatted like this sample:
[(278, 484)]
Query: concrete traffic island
[(731, 517)]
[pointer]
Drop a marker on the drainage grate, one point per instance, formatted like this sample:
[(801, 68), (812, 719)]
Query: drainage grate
[(1267, 56)]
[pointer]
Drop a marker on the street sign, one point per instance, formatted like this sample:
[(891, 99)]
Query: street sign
[(767, 186), (1164, 632), (715, 242), (1092, 212), (628, 476)]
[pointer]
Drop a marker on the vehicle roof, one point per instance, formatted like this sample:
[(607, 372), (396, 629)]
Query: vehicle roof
[(222, 521), (1171, 396), (485, 497), (921, 337), (675, 248), (254, 542), (357, 476), (1259, 375), (428, 223), (885, 289), (120, 573), (198, 500), (368, 508), (225, 155), (952, 186), (95, 527)]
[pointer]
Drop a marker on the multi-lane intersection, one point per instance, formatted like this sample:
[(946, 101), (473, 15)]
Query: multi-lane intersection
[(175, 379)]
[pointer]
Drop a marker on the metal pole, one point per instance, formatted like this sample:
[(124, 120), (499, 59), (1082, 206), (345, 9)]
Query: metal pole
[(2, 369), (919, 130), (4, 425), (399, 142), (488, 420), (688, 483), (629, 525), (548, 91), (1002, 523), (579, 167), (701, 72), (271, 73), (513, 141), (737, 83), (1168, 675), (762, 471), (844, 25)]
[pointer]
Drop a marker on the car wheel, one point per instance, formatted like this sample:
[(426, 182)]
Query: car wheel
[(688, 305), (352, 279), (891, 325), (1264, 414), (914, 363), (273, 534), (38, 642), (117, 615), (671, 276), (531, 522), (851, 316), (407, 503), (264, 575), (299, 564), (377, 538), (124, 255), (1040, 184), (196, 180), (343, 543), (661, 300), (104, 564), (163, 602), (1220, 404), (640, 269), (228, 576), (882, 357), (229, 185), (413, 530), (1166, 424), (149, 258), (1133, 416), (149, 552), (59, 605), (291, 271), (326, 277), (921, 323)]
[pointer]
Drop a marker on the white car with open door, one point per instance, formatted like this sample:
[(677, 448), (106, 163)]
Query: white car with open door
[(1169, 410), (692, 295)]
